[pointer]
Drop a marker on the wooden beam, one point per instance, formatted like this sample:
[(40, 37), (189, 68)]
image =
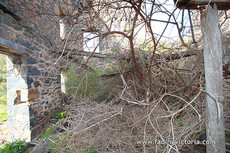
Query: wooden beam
[(158, 57), (11, 49), (213, 80), (167, 57), (73, 52)]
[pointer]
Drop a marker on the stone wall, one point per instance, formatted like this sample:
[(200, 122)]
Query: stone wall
[(34, 74), (35, 69)]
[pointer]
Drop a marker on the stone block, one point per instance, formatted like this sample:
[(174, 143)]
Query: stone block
[(29, 81), (7, 19), (5, 34), (36, 84), (31, 60), (34, 121), (31, 110), (38, 39), (3, 2), (22, 42), (33, 94), (40, 149), (33, 71)]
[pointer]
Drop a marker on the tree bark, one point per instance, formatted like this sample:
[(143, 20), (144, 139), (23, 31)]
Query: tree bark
[(213, 80)]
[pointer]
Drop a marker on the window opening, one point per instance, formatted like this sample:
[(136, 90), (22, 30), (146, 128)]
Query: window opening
[(91, 42)]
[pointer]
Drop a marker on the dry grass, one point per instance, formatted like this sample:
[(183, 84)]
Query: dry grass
[(122, 127)]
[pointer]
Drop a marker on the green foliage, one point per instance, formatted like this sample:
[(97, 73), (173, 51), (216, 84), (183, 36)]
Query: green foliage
[(227, 138), (180, 121), (3, 98), (17, 146), (3, 112), (2, 72), (59, 143), (114, 50), (90, 150), (53, 141), (149, 46), (60, 115), (146, 46), (49, 131), (164, 47), (3, 65), (83, 83)]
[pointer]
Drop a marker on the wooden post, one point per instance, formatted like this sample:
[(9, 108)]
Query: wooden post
[(213, 80)]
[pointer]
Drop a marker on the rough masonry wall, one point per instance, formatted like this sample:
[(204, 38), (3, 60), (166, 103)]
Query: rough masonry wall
[(27, 27)]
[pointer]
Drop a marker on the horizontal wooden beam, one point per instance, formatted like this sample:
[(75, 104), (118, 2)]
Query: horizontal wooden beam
[(158, 57), (174, 56), (74, 52), (11, 49), (196, 4)]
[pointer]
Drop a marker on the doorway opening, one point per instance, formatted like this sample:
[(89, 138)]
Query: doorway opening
[(3, 100)]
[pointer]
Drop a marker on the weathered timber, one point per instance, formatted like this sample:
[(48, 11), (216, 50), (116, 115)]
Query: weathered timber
[(115, 73), (73, 52), (167, 57), (196, 4), (158, 57), (11, 49), (213, 80)]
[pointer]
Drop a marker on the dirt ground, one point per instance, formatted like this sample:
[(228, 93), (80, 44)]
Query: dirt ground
[(3, 132)]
